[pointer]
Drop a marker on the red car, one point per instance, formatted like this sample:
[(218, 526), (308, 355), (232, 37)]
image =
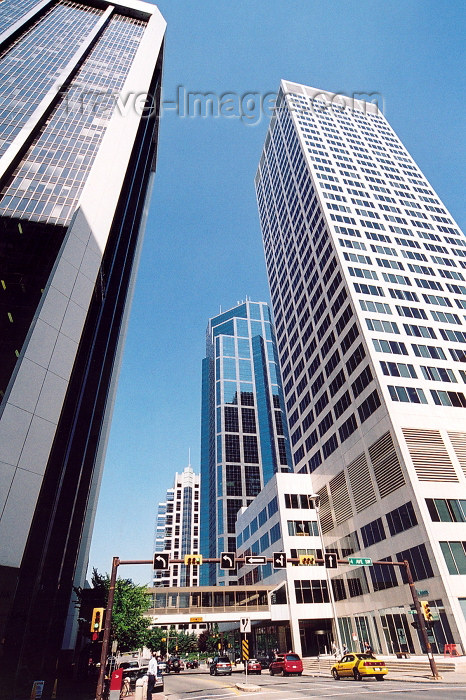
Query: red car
[(286, 665), (254, 666)]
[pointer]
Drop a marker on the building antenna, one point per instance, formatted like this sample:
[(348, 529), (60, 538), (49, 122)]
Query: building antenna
[(189, 456)]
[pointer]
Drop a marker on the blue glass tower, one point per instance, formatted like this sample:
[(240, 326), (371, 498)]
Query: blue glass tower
[(244, 435)]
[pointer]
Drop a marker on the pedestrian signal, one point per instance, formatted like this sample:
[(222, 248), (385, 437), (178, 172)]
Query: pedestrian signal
[(426, 610), (307, 560), (192, 559), (97, 619)]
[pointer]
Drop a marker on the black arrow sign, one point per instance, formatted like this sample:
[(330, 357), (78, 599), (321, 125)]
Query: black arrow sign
[(227, 561), (161, 560), (279, 560), (331, 560)]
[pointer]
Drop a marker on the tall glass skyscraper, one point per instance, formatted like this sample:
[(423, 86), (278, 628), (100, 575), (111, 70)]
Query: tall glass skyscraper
[(77, 158), (367, 272), (244, 437)]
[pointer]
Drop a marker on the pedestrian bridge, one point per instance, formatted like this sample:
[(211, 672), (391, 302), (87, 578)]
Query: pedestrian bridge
[(172, 606)]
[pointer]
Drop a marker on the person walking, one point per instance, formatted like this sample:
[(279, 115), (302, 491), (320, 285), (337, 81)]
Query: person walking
[(151, 675)]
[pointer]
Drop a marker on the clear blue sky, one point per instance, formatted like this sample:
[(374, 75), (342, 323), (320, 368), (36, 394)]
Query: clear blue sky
[(203, 245)]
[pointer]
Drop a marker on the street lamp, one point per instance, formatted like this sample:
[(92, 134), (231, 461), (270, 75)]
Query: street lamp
[(329, 583)]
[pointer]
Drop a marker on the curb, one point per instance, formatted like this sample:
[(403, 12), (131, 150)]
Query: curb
[(246, 688), (406, 679)]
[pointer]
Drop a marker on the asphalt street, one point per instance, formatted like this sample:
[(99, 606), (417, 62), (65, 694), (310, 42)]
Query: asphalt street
[(200, 685)]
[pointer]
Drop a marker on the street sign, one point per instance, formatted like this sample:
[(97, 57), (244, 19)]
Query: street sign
[(331, 560), (255, 559), (161, 560), (245, 625), (423, 594), (360, 561), (195, 619), (279, 560), (307, 560), (245, 650), (227, 561)]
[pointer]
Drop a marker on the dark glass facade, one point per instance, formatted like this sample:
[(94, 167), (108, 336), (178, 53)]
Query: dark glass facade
[(244, 438)]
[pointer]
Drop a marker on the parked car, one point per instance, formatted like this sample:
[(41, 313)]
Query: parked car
[(264, 661), (359, 666), (133, 672), (254, 666), (220, 664), (286, 664), (194, 663)]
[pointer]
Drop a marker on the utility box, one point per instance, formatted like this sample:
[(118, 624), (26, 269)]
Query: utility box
[(116, 681)]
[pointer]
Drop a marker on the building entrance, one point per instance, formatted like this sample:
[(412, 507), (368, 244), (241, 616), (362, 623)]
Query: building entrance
[(316, 637)]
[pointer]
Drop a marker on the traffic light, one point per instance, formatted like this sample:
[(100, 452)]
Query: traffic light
[(307, 560), (192, 559), (426, 610), (97, 619)]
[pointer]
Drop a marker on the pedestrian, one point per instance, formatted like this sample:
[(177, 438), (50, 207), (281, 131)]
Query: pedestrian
[(334, 649), (367, 647), (345, 649), (151, 675)]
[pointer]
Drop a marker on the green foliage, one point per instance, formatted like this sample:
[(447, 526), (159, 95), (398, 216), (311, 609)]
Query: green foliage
[(208, 640), (129, 626)]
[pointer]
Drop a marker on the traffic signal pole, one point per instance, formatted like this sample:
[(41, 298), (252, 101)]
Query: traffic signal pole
[(245, 560), (108, 624), (420, 618)]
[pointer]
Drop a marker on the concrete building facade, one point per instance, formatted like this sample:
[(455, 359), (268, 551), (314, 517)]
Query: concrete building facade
[(283, 518), (367, 274), (75, 174), (177, 529)]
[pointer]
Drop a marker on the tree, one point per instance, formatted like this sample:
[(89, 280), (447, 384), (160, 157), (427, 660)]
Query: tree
[(129, 626), (156, 640)]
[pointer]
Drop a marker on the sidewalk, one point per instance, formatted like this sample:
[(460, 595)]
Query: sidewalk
[(415, 669)]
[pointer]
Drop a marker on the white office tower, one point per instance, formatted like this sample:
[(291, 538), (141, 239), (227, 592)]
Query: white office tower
[(367, 275), (177, 530)]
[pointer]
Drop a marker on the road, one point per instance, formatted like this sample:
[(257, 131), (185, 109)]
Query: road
[(199, 685)]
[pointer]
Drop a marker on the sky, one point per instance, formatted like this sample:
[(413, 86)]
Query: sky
[(202, 249)]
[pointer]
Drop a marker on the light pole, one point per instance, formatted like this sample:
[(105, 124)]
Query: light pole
[(316, 500)]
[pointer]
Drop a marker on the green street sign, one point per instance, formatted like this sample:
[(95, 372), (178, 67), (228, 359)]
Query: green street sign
[(360, 561), (422, 594)]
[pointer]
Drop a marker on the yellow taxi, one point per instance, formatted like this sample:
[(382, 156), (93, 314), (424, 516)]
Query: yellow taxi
[(359, 666)]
